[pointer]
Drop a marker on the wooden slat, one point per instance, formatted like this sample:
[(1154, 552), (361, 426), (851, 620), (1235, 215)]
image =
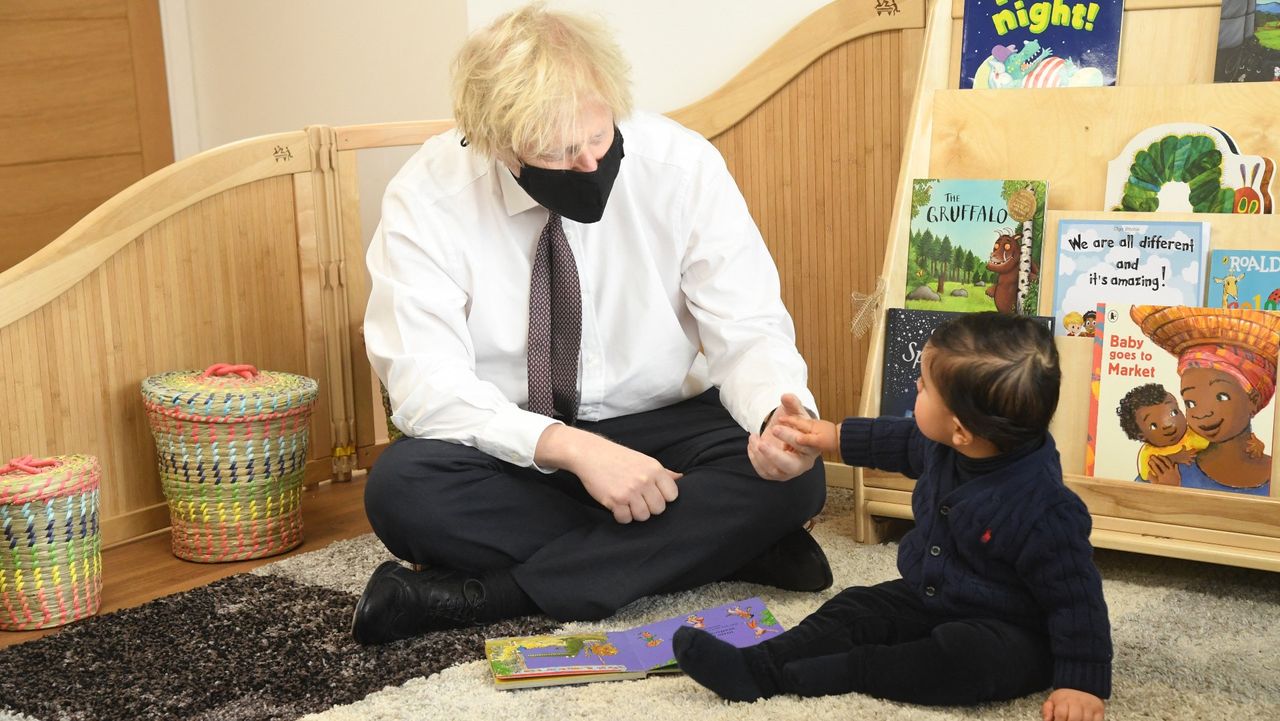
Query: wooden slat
[(80, 103), (61, 9), (151, 89), (40, 202)]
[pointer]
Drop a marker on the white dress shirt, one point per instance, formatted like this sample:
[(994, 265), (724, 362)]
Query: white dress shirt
[(679, 294)]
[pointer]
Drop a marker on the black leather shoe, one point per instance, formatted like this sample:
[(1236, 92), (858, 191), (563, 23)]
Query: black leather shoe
[(794, 563), (399, 603)]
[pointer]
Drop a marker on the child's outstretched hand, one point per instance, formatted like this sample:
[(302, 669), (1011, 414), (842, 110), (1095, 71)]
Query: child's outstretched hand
[(1069, 704), (812, 433)]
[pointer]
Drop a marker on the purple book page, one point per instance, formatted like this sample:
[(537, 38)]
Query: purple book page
[(741, 623)]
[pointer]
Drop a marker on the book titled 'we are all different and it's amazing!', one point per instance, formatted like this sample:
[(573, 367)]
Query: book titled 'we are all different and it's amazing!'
[(568, 658)]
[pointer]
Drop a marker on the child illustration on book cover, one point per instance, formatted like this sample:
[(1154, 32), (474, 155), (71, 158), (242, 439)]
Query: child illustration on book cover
[(1225, 365)]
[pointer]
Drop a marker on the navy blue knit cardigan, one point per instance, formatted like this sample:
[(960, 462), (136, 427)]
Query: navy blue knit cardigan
[(1012, 544)]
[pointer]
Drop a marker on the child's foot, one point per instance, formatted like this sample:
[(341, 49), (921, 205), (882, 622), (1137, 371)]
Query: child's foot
[(715, 664)]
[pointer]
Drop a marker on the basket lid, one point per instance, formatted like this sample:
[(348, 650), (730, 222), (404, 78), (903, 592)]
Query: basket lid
[(229, 391), (26, 479)]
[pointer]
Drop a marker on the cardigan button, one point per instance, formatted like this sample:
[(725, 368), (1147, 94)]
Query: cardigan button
[(935, 550), (930, 591), (944, 510)]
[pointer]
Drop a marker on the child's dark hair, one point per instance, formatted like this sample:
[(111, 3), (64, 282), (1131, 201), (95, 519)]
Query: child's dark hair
[(998, 374), (1149, 394)]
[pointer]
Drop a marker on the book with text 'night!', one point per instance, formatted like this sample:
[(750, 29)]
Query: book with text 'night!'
[(556, 659), (1040, 44), (1102, 261), (905, 333), (1183, 396), (974, 245)]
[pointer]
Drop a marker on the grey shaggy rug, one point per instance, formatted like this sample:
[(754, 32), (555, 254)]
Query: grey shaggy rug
[(1193, 641)]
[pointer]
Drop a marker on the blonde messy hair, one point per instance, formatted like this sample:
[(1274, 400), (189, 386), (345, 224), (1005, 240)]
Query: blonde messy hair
[(520, 83)]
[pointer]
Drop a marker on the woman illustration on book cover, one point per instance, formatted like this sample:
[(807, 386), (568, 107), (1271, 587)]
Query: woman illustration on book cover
[(1227, 366)]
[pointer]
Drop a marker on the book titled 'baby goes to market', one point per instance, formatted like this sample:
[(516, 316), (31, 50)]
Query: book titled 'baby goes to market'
[(555, 659)]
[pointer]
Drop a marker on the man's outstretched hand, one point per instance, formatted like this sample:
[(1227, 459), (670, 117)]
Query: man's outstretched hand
[(772, 457)]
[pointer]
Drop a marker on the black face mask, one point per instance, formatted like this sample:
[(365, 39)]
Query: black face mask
[(572, 193)]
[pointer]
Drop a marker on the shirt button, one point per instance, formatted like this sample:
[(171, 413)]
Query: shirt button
[(944, 510), (930, 591), (935, 550)]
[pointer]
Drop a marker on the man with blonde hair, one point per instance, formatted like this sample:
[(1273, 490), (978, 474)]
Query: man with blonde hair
[(576, 339)]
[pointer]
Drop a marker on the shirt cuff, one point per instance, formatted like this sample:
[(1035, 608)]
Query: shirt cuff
[(1089, 676), (512, 436)]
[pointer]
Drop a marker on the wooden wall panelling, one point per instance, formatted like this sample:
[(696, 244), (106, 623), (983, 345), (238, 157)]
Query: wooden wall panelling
[(85, 111), (151, 88)]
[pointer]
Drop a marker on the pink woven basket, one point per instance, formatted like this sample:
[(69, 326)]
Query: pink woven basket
[(231, 446), (51, 567)]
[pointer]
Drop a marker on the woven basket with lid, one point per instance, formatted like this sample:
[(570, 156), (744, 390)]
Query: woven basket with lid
[(231, 446), (51, 566)]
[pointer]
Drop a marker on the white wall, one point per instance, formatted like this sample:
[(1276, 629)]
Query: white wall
[(680, 50), (239, 68)]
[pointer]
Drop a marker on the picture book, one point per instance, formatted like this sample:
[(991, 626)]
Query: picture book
[(1184, 397), (1188, 168), (905, 333), (1247, 279), (1044, 44), (1248, 42), (552, 660), (1156, 263), (975, 245)]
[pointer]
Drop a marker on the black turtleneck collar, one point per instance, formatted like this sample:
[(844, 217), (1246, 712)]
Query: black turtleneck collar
[(967, 467)]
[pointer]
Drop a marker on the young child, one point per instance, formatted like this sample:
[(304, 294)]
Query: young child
[(999, 596), (1150, 414)]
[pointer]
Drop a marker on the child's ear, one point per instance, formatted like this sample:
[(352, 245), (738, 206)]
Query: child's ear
[(960, 436)]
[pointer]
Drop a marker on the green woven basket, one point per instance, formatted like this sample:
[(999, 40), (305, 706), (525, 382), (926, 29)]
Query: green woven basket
[(51, 572), (231, 447)]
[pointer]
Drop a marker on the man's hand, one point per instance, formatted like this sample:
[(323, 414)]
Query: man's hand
[(772, 457), (1068, 704), (819, 435), (633, 486)]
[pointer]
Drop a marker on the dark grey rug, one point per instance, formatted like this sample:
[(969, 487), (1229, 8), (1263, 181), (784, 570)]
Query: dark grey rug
[(246, 648)]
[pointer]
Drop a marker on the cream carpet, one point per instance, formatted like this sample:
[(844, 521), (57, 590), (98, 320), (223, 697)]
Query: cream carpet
[(1193, 642)]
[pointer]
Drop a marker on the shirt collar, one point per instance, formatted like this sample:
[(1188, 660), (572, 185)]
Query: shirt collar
[(513, 196)]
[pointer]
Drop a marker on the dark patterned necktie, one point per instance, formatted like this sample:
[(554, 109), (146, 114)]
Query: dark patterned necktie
[(555, 325)]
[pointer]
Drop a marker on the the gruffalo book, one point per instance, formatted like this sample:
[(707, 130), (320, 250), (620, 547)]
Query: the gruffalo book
[(975, 245)]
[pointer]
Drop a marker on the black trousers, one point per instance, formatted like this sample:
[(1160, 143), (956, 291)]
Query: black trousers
[(446, 504), (880, 641)]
